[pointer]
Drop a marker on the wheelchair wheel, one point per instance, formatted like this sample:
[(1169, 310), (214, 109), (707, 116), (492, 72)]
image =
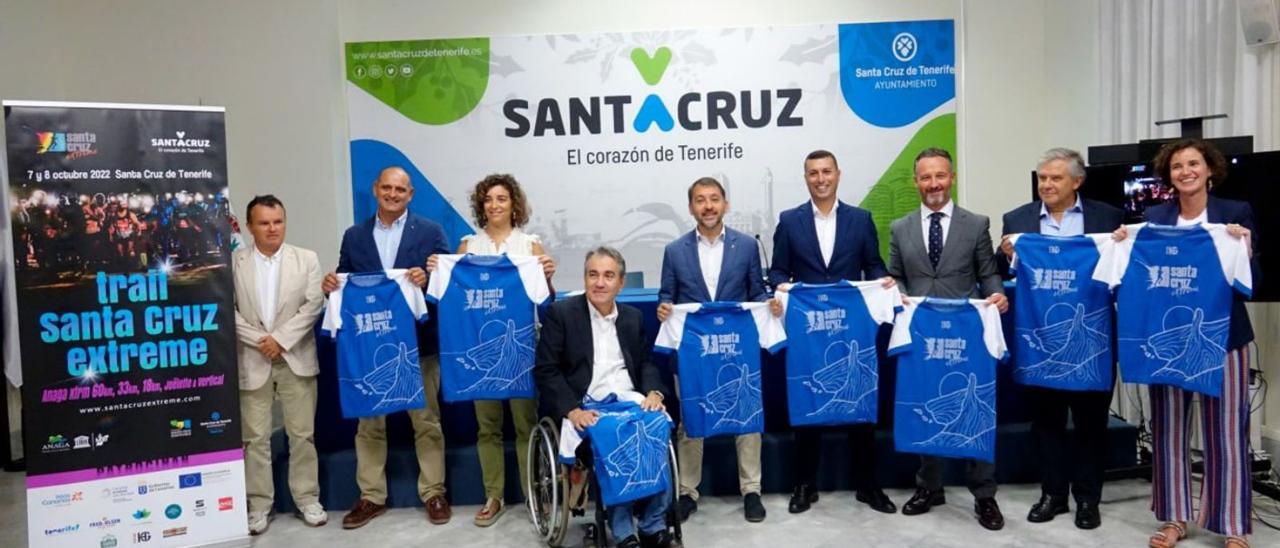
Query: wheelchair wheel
[(547, 484), (673, 512)]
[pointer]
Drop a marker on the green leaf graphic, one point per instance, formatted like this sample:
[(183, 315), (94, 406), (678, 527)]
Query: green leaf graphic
[(433, 82)]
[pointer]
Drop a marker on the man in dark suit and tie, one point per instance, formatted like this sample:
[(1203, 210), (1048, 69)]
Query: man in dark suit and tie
[(942, 250), (713, 263), (396, 238), (1061, 211), (591, 345), (825, 240)]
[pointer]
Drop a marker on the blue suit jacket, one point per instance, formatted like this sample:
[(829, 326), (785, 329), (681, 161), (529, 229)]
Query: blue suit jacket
[(421, 239), (797, 257), (740, 276), (1222, 211)]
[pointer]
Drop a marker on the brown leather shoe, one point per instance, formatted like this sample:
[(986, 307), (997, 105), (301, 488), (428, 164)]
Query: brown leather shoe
[(438, 510), (363, 512)]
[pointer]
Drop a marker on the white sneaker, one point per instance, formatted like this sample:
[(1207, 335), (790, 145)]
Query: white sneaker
[(313, 514), (258, 522)]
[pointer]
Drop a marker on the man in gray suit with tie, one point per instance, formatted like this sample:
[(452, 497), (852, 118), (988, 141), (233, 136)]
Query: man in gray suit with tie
[(941, 250)]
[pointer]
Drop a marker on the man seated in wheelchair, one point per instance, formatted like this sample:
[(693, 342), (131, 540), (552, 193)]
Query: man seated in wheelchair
[(593, 372)]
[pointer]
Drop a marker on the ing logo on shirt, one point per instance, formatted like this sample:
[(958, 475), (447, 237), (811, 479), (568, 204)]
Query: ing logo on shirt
[(1054, 250), (949, 349), (1179, 279), (374, 322), (723, 344), (488, 300), (825, 320), (1059, 281)]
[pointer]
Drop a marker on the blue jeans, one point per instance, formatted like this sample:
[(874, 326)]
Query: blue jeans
[(652, 516)]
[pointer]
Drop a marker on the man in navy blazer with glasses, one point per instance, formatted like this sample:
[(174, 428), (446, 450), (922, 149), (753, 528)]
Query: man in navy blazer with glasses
[(825, 240)]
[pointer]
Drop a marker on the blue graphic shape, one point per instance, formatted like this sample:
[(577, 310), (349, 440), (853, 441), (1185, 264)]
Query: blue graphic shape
[(848, 379), (397, 377), (737, 400), (961, 417), (505, 356), (369, 157), (893, 74), (641, 456), (653, 111), (1188, 350), (1074, 345)]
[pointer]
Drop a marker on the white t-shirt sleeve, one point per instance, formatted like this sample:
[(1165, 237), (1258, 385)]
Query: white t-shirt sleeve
[(531, 275), (1113, 263), (1233, 254), (570, 439), (769, 327), (333, 309), (672, 330), (992, 329), (900, 341), (784, 298), (439, 282), (1013, 261), (412, 293), (882, 303)]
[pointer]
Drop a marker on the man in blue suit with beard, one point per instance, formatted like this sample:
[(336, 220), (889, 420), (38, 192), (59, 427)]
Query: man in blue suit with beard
[(713, 263)]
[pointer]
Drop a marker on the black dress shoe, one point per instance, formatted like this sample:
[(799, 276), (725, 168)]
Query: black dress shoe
[(922, 501), (1048, 507), (877, 500), (752, 509), (803, 496), (989, 513), (1087, 515), (686, 507), (661, 539), (629, 542)]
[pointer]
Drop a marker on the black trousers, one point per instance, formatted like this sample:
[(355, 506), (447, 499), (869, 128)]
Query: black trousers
[(1073, 461), (862, 454)]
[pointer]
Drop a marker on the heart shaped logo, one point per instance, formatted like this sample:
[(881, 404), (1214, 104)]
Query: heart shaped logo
[(651, 67), (181, 134)]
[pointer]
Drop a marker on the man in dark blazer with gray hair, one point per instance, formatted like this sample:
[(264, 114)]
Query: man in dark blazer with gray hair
[(1067, 462)]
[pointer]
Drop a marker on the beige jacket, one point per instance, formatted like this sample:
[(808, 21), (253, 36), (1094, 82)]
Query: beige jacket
[(298, 306)]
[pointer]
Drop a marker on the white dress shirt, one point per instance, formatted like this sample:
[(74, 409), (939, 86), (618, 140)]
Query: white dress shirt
[(268, 272), (925, 212), (387, 238), (608, 369), (710, 258), (826, 227)]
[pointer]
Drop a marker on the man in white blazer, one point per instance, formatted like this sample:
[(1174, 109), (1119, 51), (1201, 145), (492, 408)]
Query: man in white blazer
[(278, 300)]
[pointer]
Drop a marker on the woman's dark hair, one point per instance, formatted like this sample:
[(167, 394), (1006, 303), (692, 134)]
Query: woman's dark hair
[(519, 205), (1212, 158)]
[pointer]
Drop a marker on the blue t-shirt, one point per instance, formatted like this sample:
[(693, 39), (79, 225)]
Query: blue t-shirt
[(1174, 302), (630, 448), (946, 395), (1062, 316), (372, 316), (488, 336), (717, 347), (833, 374)]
